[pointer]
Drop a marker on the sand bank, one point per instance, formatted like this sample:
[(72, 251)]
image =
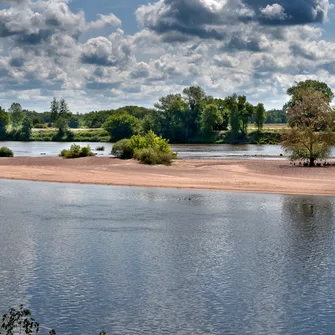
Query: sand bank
[(230, 175)]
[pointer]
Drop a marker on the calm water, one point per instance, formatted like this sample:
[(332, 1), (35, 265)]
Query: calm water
[(184, 151), (146, 261)]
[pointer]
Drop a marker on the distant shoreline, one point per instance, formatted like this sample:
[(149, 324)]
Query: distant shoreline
[(259, 176)]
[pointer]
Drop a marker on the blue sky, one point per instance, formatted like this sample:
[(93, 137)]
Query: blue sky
[(103, 54)]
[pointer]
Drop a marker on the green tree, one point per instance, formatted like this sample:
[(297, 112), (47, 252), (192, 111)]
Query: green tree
[(210, 118), (26, 129), (4, 120), (16, 115), (63, 116), (311, 120), (195, 97), (121, 126), (260, 116), (54, 110)]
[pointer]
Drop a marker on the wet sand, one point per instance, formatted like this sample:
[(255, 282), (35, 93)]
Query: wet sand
[(262, 176)]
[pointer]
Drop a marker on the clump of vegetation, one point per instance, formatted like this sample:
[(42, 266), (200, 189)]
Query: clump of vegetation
[(6, 152), (122, 149), (100, 148), (76, 151), (148, 149)]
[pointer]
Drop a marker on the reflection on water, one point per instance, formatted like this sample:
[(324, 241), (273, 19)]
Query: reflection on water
[(146, 261)]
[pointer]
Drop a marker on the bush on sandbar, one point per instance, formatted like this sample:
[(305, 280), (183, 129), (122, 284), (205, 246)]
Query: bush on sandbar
[(148, 149), (122, 149), (76, 151), (6, 152)]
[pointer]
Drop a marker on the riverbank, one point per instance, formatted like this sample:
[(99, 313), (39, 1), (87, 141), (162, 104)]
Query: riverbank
[(229, 175)]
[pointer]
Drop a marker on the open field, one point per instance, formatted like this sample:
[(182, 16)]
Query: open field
[(269, 126), (233, 175)]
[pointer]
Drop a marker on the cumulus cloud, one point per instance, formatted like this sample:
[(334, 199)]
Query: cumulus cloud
[(176, 20), (254, 47)]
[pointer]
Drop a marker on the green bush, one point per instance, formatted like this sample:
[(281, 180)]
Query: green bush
[(76, 151), (152, 157), (148, 149), (122, 149), (6, 152)]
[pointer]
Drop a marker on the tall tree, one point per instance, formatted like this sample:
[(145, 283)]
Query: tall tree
[(311, 120), (4, 120), (210, 118), (26, 129), (260, 116), (54, 110), (63, 117), (16, 115), (195, 97)]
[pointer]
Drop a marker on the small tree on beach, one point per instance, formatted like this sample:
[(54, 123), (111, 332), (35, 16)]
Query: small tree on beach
[(311, 121)]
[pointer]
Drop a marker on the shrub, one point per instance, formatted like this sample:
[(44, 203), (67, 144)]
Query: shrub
[(6, 152), (76, 151), (152, 157), (148, 149), (147, 156), (122, 149)]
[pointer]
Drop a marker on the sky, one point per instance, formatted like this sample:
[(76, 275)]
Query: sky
[(104, 54)]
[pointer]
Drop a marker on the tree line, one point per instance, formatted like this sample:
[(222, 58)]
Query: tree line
[(191, 115)]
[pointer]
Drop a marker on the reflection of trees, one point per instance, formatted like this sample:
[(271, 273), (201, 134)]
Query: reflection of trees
[(310, 234)]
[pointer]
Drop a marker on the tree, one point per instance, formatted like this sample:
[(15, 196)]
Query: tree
[(210, 118), (26, 129), (60, 115), (121, 126), (260, 116), (4, 120), (240, 113), (311, 120), (54, 110), (16, 115)]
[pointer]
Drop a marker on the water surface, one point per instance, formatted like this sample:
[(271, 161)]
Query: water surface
[(153, 261)]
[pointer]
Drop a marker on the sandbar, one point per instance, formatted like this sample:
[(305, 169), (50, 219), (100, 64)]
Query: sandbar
[(261, 176)]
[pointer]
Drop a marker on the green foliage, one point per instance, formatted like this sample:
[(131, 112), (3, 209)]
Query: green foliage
[(19, 321), (210, 119), (122, 149), (26, 129), (6, 152), (151, 149), (276, 116), (16, 115), (121, 126), (150, 140), (76, 151), (260, 116), (150, 156), (4, 120), (296, 91)]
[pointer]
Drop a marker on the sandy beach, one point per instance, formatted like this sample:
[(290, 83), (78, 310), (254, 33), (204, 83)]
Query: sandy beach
[(232, 175)]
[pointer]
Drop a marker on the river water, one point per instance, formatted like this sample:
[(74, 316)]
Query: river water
[(184, 151), (153, 261)]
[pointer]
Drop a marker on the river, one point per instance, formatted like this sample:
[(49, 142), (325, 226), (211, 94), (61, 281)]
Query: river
[(153, 261), (216, 151)]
